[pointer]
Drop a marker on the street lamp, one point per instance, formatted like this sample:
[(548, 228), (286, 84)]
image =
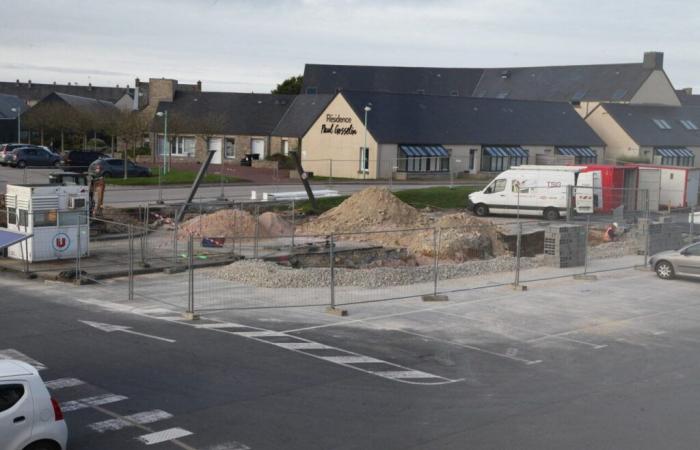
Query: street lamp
[(166, 150), (365, 153), (18, 110)]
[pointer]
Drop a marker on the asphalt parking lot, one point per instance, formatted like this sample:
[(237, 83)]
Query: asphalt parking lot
[(610, 363)]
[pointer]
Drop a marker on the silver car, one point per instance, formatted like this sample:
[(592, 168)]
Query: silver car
[(683, 263)]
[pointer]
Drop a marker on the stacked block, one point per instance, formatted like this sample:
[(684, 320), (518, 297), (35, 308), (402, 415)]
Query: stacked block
[(565, 245)]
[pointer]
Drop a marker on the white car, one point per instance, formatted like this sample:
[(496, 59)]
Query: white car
[(29, 418)]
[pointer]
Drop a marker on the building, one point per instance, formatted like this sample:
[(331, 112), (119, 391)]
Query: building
[(232, 124), (584, 86), (687, 98), (8, 117), (298, 118), (418, 135), (663, 135)]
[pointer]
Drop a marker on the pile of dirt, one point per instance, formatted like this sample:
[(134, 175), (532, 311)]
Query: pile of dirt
[(235, 223), (372, 212), (374, 208)]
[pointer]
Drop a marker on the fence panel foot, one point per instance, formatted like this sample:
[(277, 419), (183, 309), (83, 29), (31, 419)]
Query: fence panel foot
[(337, 311)]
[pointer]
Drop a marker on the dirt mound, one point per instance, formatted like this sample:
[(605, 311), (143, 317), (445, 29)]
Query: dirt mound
[(374, 208), (235, 223)]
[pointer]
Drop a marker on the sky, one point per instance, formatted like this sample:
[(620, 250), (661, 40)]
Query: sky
[(250, 46)]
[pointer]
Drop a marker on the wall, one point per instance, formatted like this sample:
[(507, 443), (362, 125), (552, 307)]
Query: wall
[(343, 149), (656, 89), (618, 144)]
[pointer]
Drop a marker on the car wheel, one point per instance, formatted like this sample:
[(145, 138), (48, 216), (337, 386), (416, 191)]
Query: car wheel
[(664, 270), (551, 214), (43, 445), (21, 164), (481, 210)]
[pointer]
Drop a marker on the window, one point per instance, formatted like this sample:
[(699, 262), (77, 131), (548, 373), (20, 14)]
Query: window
[(66, 218), (23, 218), (12, 216), (230, 148), (689, 125), (183, 146), (45, 218), (285, 147), (693, 251), (496, 186), (364, 159), (10, 394), (662, 124)]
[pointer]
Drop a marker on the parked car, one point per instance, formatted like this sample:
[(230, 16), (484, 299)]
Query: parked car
[(33, 156), (112, 167), (684, 262), (80, 160), (7, 149), (29, 417)]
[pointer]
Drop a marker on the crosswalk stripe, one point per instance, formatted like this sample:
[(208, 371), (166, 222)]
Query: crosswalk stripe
[(62, 383), (131, 420), (162, 436), (87, 402)]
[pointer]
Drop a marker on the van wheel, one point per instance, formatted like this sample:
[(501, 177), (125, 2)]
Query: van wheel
[(481, 210), (664, 270), (43, 445), (551, 214)]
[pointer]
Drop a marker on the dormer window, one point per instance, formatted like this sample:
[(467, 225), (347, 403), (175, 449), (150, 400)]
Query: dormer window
[(662, 124)]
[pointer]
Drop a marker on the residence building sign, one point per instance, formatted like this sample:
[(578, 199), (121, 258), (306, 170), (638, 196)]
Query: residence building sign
[(337, 124)]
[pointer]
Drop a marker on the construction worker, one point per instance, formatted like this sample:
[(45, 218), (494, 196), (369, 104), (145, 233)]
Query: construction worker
[(610, 232)]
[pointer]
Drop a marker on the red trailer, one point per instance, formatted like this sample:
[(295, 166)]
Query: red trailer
[(620, 184)]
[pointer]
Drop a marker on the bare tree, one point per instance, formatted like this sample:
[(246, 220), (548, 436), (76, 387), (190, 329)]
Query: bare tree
[(131, 129)]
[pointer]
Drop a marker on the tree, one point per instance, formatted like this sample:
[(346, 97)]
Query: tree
[(291, 85), (131, 128)]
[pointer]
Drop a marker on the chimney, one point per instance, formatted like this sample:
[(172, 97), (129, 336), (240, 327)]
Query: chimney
[(687, 91), (653, 60), (137, 83), (199, 86), (29, 84), (89, 86), (18, 82), (69, 83), (127, 87)]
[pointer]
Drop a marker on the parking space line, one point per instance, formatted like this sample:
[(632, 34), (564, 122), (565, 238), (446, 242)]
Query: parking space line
[(301, 345), (11, 353), (130, 420), (257, 334), (75, 405), (162, 436), (62, 383), (352, 359), (404, 374)]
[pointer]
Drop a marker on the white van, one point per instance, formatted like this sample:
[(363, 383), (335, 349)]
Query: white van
[(538, 191)]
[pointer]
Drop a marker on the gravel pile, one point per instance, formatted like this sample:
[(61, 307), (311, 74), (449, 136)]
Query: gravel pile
[(271, 275)]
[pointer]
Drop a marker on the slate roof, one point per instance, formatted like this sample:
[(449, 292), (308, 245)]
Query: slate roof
[(302, 113), (688, 99), (422, 119), (7, 102), (83, 104), (38, 91), (244, 114), (638, 122), (606, 82), (328, 79)]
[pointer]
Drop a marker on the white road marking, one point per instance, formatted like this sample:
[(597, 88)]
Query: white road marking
[(109, 328), (62, 383), (162, 436), (352, 359), (130, 420), (220, 325), (257, 334), (87, 402), (301, 345), (396, 374), (11, 353)]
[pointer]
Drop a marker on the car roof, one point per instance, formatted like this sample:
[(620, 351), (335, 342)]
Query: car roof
[(10, 368)]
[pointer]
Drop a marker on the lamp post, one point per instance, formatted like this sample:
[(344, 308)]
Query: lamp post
[(365, 153), (18, 110), (166, 150)]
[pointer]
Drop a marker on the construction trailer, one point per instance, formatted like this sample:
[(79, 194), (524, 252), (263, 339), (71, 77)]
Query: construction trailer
[(679, 187), (56, 216), (619, 186)]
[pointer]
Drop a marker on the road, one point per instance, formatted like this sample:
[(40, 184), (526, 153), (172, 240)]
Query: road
[(613, 367), (130, 196)]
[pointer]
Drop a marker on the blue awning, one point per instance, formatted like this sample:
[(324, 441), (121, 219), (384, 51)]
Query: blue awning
[(8, 238), (419, 151), (506, 151), (577, 151), (671, 152)]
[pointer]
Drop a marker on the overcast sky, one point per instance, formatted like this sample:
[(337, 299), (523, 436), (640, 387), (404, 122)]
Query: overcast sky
[(248, 45)]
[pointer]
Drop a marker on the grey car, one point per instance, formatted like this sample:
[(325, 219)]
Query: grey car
[(683, 263)]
